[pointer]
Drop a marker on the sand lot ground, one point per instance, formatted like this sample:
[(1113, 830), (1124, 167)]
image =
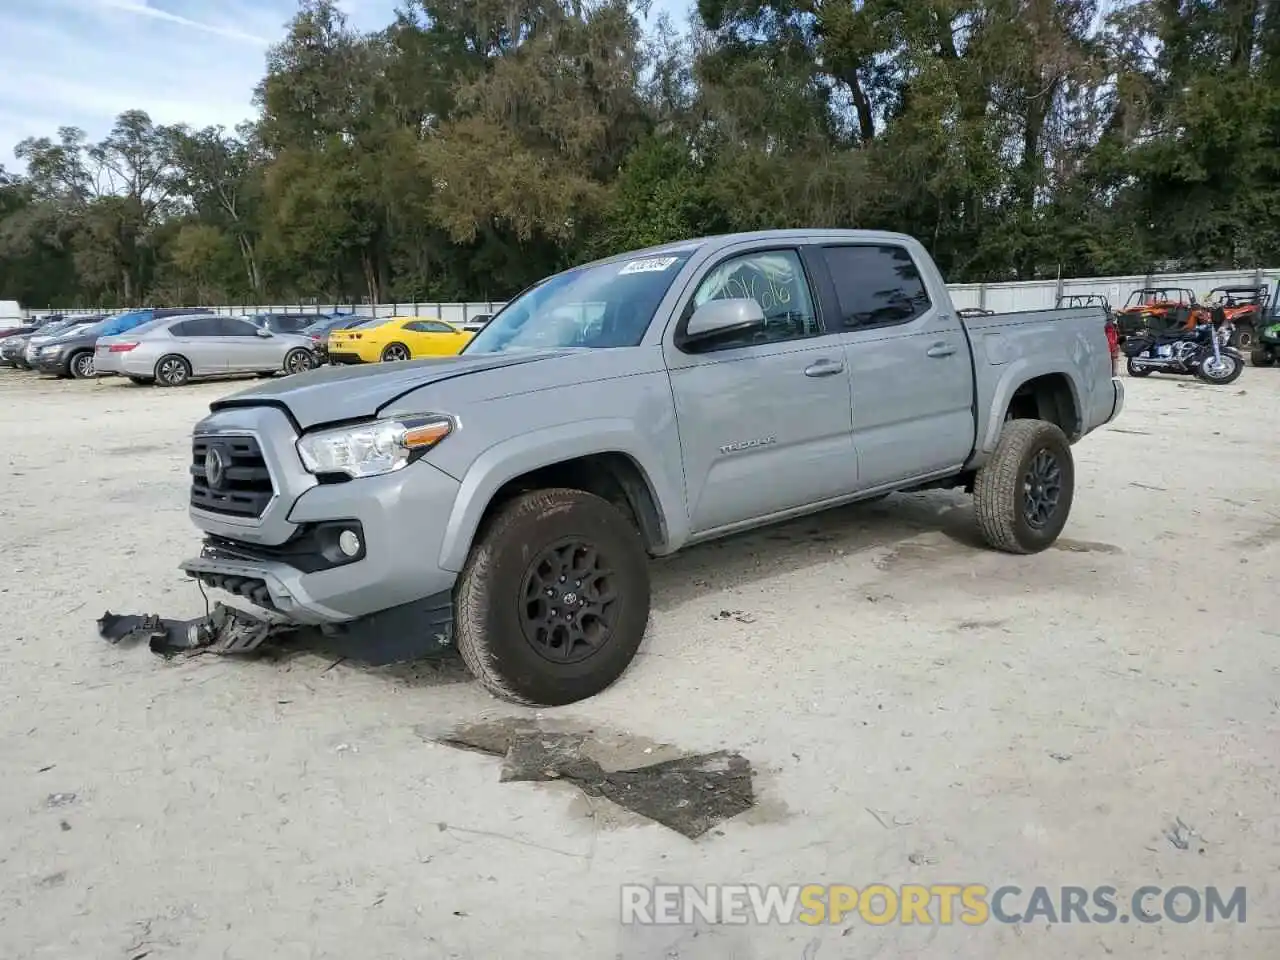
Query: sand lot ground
[(917, 709)]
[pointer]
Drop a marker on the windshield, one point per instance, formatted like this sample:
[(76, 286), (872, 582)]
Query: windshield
[(348, 321), (1143, 298), (322, 325), (78, 329), (609, 305), (52, 329), (1235, 297), (122, 322)]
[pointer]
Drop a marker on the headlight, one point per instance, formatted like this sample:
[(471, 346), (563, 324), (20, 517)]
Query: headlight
[(372, 449), (51, 348)]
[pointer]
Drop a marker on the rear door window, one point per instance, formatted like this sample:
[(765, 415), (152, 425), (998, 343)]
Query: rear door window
[(198, 327), (875, 284), (235, 327)]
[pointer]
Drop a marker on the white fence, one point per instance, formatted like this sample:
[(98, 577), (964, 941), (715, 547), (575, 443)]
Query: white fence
[(1001, 297), (1043, 294)]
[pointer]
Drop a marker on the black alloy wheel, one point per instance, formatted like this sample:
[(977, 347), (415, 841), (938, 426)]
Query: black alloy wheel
[(1042, 489), (568, 602)]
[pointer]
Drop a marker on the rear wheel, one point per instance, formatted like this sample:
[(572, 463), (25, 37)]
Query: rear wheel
[(1023, 494), (1262, 357), (554, 599), (172, 371), (81, 365), (299, 361), (395, 352), (1242, 338)]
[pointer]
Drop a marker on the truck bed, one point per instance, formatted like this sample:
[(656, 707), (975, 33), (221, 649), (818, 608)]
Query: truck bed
[(1011, 348)]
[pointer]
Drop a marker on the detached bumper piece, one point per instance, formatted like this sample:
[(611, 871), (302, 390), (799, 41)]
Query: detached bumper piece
[(224, 630), (414, 631)]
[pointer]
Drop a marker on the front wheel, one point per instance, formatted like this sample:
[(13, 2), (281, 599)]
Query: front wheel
[(554, 600), (1242, 338), (1023, 494), (172, 371), (1219, 370), (81, 365), (1135, 369), (1262, 357)]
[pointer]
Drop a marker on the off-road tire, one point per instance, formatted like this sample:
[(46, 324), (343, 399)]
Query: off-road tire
[(998, 490), (1136, 371), (179, 381), (76, 366), (1243, 339), (1262, 357), (487, 603)]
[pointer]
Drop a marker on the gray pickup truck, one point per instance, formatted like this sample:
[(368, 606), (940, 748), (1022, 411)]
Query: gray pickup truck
[(508, 499)]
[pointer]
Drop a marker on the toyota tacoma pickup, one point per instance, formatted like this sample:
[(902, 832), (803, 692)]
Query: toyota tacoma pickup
[(507, 499)]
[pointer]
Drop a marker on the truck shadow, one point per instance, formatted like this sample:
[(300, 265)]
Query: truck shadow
[(795, 545), (730, 563)]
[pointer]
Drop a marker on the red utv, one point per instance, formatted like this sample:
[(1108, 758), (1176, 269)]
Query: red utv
[(1156, 309), (1243, 305)]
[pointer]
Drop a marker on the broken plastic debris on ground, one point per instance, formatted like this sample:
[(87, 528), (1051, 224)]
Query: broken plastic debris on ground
[(223, 630), (687, 794)]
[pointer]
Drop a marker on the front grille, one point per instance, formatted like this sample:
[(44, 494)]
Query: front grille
[(243, 489)]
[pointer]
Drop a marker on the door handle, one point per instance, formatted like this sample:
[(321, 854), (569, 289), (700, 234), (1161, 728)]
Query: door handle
[(940, 350), (824, 368)]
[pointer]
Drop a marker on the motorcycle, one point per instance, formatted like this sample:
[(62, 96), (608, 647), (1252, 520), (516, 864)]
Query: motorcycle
[(1201, 352)]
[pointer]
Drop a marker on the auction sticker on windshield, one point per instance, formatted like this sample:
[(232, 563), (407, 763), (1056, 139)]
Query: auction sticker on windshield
[(651, 265)]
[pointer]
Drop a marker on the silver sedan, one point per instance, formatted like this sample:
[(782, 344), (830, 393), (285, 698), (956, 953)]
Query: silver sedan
[(173, 350)]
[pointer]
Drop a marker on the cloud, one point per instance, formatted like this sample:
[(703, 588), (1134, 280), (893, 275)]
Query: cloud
[(82, 62)]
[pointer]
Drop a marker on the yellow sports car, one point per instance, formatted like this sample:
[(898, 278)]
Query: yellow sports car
[(399, 338)]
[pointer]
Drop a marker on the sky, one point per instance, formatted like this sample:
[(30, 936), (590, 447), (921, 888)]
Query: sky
[(82, 62)]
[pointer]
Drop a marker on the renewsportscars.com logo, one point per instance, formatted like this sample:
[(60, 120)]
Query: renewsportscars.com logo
[(971, 904)]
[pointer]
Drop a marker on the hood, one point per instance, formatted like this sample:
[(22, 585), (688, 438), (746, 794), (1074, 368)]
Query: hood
[(334, 394)]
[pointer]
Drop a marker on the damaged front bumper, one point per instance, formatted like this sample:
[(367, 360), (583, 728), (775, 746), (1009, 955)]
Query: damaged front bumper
[(273, 584), (404, 632)]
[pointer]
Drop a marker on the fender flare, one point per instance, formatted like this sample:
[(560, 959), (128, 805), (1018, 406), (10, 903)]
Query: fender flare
[(1014, 376), (512, 458)]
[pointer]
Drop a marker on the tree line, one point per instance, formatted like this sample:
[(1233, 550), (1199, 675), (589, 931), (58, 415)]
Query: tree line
[(473, 146)]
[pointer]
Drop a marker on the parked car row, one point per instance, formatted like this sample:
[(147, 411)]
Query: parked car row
[(171, 346)]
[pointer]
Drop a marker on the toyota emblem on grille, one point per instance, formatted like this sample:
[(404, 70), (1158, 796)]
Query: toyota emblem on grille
[(215, 467)]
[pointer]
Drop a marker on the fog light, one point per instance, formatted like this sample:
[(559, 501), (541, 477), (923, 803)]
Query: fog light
[(349, 543)]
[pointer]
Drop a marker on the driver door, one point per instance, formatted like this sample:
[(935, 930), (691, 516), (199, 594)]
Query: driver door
[(765, 420)]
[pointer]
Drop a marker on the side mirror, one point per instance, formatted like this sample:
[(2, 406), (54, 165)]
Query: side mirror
[(264, 332), (723, 318)]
